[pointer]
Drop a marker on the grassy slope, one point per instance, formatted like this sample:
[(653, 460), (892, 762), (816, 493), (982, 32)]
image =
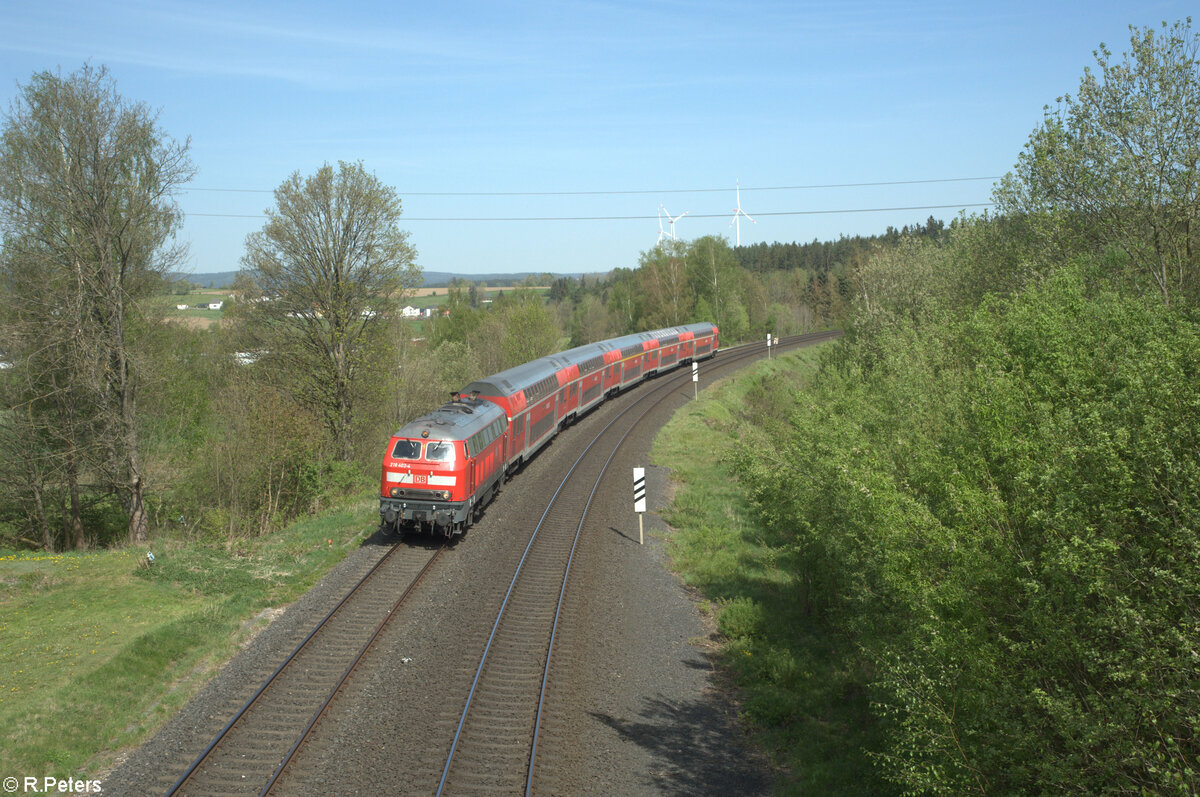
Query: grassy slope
[(806, 710), (99, 650)]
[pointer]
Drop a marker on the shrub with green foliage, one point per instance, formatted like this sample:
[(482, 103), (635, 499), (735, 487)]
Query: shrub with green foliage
[(1002, 512)]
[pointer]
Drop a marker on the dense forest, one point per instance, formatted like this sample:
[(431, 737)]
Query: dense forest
[(987, 500)]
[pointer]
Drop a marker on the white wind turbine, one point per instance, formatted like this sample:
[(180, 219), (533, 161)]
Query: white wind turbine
[(736, 223), (670, 219), (660, 229)]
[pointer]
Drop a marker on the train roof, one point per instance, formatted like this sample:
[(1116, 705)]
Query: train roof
[(522, 376), (454, 420), (528, 374)]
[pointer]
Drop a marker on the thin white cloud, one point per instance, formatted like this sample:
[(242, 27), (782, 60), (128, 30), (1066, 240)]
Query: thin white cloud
[(281, 29), (247, 42)]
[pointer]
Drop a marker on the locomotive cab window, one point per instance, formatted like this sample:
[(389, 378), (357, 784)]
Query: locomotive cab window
[(406, 449), (439, 451)]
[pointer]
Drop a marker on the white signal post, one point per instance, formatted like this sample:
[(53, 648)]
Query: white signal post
[(696, 378), (639, 500)]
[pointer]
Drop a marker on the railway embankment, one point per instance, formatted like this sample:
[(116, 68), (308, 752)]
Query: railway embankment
[(806, 710), (962, 556), (100, 648)]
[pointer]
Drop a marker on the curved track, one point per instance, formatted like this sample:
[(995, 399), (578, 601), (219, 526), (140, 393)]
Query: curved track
[(495, 742)]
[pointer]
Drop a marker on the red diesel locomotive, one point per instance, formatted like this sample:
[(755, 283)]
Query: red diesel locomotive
[(442, 468)]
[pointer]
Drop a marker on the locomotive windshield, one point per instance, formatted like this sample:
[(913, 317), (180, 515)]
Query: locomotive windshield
[(435, 450), (406, 449), (439, 452)]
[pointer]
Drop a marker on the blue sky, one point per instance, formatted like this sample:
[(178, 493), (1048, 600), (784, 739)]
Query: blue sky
[(595, 111)]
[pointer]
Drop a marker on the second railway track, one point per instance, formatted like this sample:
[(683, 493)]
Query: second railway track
[(488, 747), (244, 756), (496, 741)]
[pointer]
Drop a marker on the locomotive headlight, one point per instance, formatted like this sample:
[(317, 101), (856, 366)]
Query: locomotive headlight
[(396, 491), (446, 495)]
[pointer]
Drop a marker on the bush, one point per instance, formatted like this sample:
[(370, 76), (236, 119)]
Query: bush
[(740, 617), (1002, 512), (260, 467)]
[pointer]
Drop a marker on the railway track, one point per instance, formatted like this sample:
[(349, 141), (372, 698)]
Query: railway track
[(494, 744), (255, 745)]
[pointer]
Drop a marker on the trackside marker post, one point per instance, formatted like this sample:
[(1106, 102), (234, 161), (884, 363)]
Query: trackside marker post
[(768, 345), (639, 500), (696, 378)]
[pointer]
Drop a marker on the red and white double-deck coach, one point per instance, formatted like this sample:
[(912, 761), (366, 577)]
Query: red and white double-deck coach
[(442, 468)]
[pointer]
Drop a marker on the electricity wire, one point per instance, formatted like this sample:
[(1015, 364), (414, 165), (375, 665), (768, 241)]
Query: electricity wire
[(406, 219), (637, 191)]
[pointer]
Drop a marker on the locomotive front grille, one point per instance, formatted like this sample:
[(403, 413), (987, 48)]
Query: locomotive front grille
[(426, 495)]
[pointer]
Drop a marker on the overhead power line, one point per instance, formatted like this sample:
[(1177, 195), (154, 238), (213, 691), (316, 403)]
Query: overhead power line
[(962, 206), (636, 192)]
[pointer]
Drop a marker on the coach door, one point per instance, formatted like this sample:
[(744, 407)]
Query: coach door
[(518, 436)]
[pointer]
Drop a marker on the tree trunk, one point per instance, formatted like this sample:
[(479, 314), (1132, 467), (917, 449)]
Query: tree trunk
[(40, 515), (75, 520), (139, 525)]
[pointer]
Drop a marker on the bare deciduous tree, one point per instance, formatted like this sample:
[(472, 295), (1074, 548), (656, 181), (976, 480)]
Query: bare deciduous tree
[(87, 181)]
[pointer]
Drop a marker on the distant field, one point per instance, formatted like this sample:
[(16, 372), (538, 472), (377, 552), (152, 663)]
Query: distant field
[(196, 319), (203, 319), (423, 292)]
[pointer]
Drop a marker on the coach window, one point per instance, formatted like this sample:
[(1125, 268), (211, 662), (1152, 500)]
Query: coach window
[(406, 449), (439, 452)]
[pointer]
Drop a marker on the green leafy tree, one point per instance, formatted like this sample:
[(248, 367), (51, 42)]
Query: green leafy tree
[(457, 320), (716, 278), (624, 301), (667, 298), (1118, 165), (590, 321), (518, 328), (328, 272), (560, 289), (87, 180)]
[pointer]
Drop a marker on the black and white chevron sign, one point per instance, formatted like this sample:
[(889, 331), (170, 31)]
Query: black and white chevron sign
[(639, 489)]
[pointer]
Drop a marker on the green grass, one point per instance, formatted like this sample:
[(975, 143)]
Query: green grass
[(801, 698), (100, 649)]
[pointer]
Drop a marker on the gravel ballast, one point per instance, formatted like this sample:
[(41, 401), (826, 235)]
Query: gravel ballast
[(636, 706)]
